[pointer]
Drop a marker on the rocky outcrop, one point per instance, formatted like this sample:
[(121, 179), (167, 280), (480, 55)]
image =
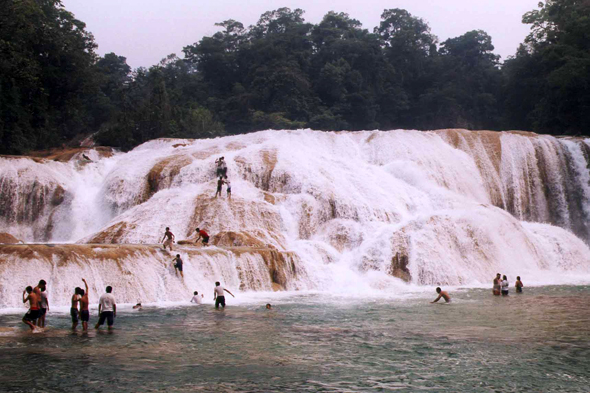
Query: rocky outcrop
[(7, 238)]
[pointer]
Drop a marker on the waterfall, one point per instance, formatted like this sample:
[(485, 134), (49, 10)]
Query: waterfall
[(368, 209)]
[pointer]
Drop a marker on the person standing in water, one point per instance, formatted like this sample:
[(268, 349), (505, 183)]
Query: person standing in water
[(497, 285), (84, 311), (228, 184), (518, 285), (202, 235), (178, 265), (169, 236), (74, 313), (196, 298), (505, 286), (43, 307), (219, 296), (444, 294), (107, 309), (34, 310), (219, 185)]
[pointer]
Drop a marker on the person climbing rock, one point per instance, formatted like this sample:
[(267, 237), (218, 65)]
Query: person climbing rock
[(169, 236), (202, 235), (219, 185), (228, 184), (178, 265)]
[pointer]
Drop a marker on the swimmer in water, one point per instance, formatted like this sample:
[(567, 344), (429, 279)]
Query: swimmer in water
[(268, 306), (518, 285), (196, 298), (138, 306), (444, 294)]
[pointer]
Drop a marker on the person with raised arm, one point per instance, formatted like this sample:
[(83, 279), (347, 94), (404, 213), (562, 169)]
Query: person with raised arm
[(442, 294), (169, 236), (34, 310), (107, 309), (84, 311), (219, 296)]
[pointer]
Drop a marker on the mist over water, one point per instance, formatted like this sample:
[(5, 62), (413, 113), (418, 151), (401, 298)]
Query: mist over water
[(347, 212)]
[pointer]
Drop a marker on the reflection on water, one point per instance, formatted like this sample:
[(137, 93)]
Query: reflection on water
[(538, 341)]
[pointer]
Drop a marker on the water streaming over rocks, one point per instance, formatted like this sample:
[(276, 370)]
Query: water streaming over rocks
[(334, 210)]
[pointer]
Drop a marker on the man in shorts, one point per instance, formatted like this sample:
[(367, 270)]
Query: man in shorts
[(74, 313), (169, 236), (219, 296), (34, 310), (219, 185), (43, 307), (84, 312), (178, 265), (202, 235), (107, 309), (496, 285)]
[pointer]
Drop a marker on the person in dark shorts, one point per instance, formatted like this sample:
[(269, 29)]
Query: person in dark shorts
[(169, 236), (518, 285), (84, 312), (202, 235), (43, 307), (219, 295), (219, 185), (107, 309), (34, 310), (74, 313), (178, 264)]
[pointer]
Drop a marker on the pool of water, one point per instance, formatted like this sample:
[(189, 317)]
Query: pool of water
[(537, 341)]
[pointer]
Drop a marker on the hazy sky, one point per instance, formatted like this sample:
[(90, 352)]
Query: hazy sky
[(145, 31)]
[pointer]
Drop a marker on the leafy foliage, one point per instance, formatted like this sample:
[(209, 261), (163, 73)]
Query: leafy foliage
[(285, 73)]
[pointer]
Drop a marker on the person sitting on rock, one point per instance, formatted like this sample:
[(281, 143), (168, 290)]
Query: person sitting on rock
[(202, 235)]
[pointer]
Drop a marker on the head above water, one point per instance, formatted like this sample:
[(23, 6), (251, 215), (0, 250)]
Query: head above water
[(217, 283), (438, 289), (109, 289), (268, 306)]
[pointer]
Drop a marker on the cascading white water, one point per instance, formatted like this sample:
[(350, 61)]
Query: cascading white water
[(358, 211)]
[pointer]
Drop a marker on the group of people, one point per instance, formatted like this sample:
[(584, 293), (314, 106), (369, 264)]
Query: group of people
[(221, 173), (501, 286), (169, 238), (218, 296), (39, 305)]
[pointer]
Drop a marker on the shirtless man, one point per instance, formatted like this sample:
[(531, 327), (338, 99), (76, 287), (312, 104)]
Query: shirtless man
[(74, 309), (219, 296), (444, 294), (84, 312), (518, 285), (497, 284), (202, 235), (178, 265), (169, 236), (34, 310)]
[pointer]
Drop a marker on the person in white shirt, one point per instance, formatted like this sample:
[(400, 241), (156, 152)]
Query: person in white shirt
[(505, 286), (219, 296), (197, 299), (107, 309)]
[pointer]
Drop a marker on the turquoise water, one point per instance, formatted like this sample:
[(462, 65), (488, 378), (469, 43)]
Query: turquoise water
[(538, 341)]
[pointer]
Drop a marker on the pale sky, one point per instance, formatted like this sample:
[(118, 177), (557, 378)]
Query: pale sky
[(145, 31)]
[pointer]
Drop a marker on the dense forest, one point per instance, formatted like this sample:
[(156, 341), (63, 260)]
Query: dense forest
[(284, 73)]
